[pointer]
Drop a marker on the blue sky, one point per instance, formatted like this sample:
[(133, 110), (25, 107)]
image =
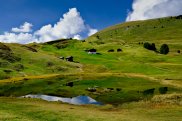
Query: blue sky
[(97, 13), (26, 21)]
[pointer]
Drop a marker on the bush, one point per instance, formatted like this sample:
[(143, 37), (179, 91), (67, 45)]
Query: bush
[(98, 37), (163, 90), (164, 49), (70, 84), (149, 91), (111, 50), (118, 89), (149, 46)]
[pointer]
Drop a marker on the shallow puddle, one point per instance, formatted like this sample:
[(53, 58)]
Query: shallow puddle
[(79, 100)]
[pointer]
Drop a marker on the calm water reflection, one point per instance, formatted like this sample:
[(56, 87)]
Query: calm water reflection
[(80, 100)]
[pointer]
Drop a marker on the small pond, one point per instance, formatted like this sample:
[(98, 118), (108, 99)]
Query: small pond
[(79, 100)]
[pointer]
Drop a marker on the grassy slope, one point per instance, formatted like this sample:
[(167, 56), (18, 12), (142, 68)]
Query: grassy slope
[(167, 30), (35, 63), (139, 69), (133, 59)]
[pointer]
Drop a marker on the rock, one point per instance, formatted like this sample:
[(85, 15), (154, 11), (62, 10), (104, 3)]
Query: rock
[(91, 89)]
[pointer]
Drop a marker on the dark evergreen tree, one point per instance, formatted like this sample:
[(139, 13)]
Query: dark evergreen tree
[(149, 46), (164, 49), (153, 47)]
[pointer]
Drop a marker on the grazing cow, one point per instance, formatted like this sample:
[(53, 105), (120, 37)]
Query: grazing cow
[(119, 50), (91, 89), (110, 88), (92, 51), (70, 84), (70, 59), (61, 58)]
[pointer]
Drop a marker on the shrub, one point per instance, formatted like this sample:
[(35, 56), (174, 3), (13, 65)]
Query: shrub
[(149, 91), (111, 50), (149, 46), (118, 89), (153, 47), (98, 37), (178, 51), (70, 84), (163, 90), (164, 49), (179, 17)]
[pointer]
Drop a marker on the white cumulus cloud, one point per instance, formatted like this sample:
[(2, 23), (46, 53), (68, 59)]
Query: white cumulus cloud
[(17, 38), (71, 25), (78, 37), (26, 27), (92, 31), (148, 9)]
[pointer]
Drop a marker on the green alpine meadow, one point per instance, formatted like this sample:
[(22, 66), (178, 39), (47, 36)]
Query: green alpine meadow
[(125, 67), (92, 60)]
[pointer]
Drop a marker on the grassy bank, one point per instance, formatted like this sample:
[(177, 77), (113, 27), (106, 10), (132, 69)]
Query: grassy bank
[(35, 110)]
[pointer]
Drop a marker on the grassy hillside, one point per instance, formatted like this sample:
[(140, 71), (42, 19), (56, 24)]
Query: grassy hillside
[(126, 36), (118, 78), (28, 60), (162, 30)]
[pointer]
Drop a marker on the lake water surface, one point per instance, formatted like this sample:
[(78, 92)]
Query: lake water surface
[(79, 100)]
